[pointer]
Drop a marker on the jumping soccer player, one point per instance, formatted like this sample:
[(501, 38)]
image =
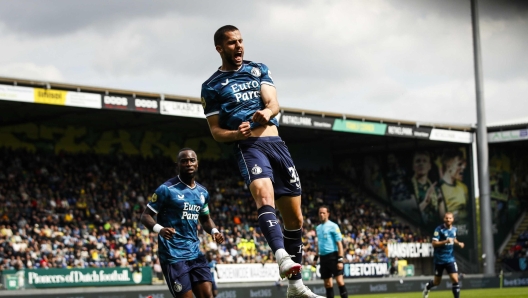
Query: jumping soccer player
[(444, 240), (240, 103), (330, 249), (179, 204)]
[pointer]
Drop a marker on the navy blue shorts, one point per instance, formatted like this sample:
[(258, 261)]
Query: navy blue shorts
[(449, 267), (180, 276), (268, 157)]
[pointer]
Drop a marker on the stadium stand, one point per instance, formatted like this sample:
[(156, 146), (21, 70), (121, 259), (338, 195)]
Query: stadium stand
[(82, 210)]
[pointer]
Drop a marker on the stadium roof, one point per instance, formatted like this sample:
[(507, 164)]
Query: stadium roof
[(509, 124), (76, 87)]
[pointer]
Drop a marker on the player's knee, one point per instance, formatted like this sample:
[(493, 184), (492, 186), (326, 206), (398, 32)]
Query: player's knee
[(293, 223)]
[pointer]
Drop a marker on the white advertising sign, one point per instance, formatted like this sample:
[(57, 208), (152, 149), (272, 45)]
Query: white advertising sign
[(247, 272), (451, 136), (83, 100), (175, 108), (410, 250), (15, 93)]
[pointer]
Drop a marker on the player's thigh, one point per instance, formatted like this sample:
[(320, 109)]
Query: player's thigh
[(177, 278), (262, 191), (286, 180), (452, 270), (325, 270), (253, 163), (439, 269), (203, 289), (291, 212), (201, 277)]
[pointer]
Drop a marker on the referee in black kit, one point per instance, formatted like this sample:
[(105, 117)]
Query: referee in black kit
[(330, 249)]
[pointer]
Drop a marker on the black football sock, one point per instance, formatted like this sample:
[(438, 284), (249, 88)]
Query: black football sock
[(456, 290), (270, 227), (293, 245)]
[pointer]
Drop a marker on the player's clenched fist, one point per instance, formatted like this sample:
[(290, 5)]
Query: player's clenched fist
[(262, 116), (244, 131), (219, 238), (167, 233)]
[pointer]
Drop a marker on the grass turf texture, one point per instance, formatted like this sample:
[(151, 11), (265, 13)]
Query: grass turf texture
[(480, 293)]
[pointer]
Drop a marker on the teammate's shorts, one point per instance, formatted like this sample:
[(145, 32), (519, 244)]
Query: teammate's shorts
[(449, 267), (268, 157), (328, 266), (214, 286), (180, 276)]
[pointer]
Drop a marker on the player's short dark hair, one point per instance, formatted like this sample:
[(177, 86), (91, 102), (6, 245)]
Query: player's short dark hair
[(449, 154), (325, 207), (219, 35), (184, 149)]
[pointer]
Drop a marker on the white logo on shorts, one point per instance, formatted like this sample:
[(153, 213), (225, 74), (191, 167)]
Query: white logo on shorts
[(256, 170), (255, 71), (177, 287)]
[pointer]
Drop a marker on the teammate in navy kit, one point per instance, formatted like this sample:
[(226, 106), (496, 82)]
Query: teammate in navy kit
[(444, 240), (179, 204), (212, 267), (240, 103), (330, 249)]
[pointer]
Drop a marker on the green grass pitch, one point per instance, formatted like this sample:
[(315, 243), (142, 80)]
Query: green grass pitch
[(480, 293)]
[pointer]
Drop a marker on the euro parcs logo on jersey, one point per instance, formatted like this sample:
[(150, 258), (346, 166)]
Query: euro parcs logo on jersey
[(256, 71)]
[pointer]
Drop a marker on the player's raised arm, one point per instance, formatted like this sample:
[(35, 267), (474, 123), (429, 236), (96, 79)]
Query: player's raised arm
[(268, 95), (225, 135)]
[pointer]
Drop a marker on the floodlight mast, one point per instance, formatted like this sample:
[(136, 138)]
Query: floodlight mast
[(486, 231)]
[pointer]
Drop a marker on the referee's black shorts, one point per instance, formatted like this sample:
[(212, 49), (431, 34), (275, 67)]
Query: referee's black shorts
[(328, 266)]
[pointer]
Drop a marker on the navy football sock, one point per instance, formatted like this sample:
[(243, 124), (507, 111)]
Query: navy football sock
[(343, 292), (330, 293), (293, 245), (456, 290), (269, 225), (430, 284)]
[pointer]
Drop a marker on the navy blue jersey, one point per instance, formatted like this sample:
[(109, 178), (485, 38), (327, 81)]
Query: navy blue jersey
[(178, 206), (444, 254), (235, 95)]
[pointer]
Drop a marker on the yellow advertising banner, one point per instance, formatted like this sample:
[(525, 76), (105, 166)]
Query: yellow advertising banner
[(51, 97)]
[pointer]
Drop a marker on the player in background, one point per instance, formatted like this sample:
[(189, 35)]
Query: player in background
[(330, 249), (444, 240), (240, 103), (179, 204), (212, 267)]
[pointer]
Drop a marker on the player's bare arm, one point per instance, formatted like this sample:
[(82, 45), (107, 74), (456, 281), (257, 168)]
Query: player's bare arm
[(460, 244), (223, 135), (269, 97), (437, 243), (147, 219), (209, 226)]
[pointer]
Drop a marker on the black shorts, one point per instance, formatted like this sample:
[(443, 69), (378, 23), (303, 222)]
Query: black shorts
[(180, 276), (449, 267), (328, 266), (268, 157)]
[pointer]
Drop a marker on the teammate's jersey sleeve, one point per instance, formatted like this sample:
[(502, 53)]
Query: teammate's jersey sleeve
[(158, 197), (266, 75), (436, 234), (210, 102)]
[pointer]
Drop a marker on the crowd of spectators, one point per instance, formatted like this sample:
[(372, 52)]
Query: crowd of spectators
[(519, 249), (83, 210)]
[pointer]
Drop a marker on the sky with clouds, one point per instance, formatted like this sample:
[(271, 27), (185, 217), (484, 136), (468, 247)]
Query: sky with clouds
[(400, 59)]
